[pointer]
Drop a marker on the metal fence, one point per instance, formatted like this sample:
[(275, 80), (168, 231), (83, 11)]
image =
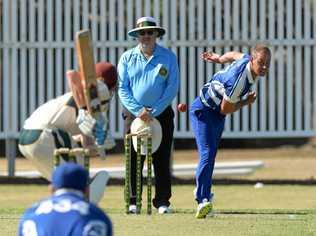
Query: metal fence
[(36, 49)]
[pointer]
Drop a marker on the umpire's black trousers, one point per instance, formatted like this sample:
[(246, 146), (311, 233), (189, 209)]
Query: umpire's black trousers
[(161, 158)]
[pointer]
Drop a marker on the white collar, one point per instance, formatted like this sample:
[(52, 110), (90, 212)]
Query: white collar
[(61, 191), (249, 75)]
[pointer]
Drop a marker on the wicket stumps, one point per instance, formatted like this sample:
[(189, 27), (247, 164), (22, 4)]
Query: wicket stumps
[(141, 139), (71, 154)]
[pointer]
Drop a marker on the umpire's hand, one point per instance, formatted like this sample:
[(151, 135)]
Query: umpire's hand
[(145, 115)]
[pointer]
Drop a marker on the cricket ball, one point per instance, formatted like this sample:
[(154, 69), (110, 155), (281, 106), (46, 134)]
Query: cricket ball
[(182, 107)]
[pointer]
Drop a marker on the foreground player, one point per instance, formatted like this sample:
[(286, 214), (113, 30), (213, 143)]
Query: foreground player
[(223, 94), (64, 121), (66, 212)]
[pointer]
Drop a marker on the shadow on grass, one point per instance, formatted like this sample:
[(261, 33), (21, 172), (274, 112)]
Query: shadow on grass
[(260, 212), (175, 181), (249, 212)]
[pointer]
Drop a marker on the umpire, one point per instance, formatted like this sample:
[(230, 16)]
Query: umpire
[(148, 82)]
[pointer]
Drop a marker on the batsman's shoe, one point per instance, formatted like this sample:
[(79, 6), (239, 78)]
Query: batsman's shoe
[(132, 209), (97, 186), (203, 209), (164, 210)]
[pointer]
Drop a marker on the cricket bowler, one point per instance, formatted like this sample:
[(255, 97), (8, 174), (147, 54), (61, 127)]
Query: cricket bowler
[(226, 92)]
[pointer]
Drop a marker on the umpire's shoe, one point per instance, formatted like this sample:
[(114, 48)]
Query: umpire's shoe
[(132, 209)]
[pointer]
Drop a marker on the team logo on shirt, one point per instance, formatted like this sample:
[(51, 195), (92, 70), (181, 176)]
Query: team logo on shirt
[(163, 72), (95, 228)]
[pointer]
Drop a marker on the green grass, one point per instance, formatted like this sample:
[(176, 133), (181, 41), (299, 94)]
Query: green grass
[(239, 210)]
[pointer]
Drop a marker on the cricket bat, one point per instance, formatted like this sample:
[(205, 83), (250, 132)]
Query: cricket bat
[(86, 63), (87, 70)]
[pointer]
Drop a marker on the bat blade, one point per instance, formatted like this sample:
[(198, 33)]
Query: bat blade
[(87, 70)]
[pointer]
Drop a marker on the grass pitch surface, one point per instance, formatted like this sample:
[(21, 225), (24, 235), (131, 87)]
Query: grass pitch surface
[(238, 210)]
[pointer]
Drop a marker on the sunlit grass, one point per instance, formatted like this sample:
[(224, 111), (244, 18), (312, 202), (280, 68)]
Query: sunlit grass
[(239, 210)]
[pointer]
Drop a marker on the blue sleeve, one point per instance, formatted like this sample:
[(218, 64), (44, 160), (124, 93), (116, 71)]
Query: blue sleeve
[(30, 225), (124, 89), (171, 89), (20, 226), (233, 75)]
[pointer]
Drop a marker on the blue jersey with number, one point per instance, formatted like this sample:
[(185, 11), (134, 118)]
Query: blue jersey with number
[(231, 83), (65, 213)]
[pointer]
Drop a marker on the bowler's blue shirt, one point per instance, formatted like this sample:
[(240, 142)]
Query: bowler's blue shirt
[(151, 83), (231, 83), (65, 213)]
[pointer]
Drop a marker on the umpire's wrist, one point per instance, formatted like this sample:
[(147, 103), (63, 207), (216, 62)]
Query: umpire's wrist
[(149, 110)]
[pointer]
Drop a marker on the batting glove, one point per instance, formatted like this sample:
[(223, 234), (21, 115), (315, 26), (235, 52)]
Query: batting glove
[(85, 122), (99, 132)]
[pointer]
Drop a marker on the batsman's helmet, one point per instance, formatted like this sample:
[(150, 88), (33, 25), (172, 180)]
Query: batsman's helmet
[(108, 72)]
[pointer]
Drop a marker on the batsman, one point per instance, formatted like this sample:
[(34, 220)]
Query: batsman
[(76, 119)]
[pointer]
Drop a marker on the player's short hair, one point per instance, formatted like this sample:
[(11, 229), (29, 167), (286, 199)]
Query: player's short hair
[(107, 72), (260, 48)]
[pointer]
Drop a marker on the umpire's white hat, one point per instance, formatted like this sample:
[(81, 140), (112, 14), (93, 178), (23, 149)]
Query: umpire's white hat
[(145, 23), (139, 126)]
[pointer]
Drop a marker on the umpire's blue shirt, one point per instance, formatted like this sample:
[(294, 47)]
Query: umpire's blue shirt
[(151, 83), (65, 213), (231, 83)]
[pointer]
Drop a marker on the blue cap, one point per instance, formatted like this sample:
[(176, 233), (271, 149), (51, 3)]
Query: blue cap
[(70, 175)]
